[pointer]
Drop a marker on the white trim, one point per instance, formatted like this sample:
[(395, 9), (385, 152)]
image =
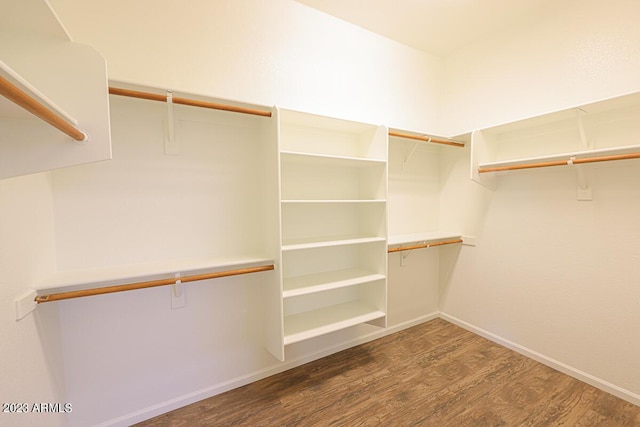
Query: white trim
[(548, 361), (196, 396)]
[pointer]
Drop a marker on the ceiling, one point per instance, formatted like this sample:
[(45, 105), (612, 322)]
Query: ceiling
[(435, 26)]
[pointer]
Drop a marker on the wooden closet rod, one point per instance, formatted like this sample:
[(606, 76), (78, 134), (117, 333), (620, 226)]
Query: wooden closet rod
[(426, 139), (561, 162), (424, 245), (24, 100), (187, 101), (150, 284)]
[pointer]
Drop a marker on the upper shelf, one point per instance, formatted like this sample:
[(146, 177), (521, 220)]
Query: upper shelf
[(430, 237), (311, 134), (575, 157), (601, 131), (98, 278)]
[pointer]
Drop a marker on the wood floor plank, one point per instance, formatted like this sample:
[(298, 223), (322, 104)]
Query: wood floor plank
[(432, 374)]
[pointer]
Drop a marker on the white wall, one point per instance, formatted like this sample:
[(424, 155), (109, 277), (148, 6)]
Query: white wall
[(570, 53), (553, 275), (31, 358), (275, 52)]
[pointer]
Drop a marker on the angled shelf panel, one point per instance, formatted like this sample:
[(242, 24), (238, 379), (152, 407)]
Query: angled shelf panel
[(64, 82)]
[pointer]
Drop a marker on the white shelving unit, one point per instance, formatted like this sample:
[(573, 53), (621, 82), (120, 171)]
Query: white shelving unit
[(68, 79), (333, 191), (609, 128)]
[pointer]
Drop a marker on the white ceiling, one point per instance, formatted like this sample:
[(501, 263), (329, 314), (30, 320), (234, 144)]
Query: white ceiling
[(435, 26)]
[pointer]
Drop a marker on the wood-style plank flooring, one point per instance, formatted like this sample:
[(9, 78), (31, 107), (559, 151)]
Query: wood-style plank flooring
[(433, 374)]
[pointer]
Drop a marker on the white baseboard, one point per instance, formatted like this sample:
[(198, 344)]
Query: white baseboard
[(548, 361), (196, 396)]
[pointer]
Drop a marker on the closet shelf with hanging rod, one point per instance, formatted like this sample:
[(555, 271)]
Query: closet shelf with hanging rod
[(425, 138), (574, 158), (601, 131), (182, 100), (408, 242), (75, 284)]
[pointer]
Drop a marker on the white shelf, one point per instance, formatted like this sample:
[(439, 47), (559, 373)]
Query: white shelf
[(324, 159), (322, 243), (604, 128), (90, 279), (303, 326), (564, 156), (429, 237), (304, 285), (330, 201)]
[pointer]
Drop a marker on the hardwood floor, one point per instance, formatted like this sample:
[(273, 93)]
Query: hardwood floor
[(434, 374)]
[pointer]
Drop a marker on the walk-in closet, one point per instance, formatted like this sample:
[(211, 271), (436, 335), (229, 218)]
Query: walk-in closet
[(205, 197)]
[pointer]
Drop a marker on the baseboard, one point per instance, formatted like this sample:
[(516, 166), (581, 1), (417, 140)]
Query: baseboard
[(548, 361), (196, 396)]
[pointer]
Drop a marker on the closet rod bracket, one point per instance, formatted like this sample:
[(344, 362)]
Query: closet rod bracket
[(171, 147), (178, 293), (585, 179)]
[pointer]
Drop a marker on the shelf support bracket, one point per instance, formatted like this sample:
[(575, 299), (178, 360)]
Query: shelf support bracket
[(407, 158), (171, 146), (403, 258)]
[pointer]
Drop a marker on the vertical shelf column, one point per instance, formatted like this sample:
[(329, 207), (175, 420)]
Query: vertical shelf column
[(333, 190)]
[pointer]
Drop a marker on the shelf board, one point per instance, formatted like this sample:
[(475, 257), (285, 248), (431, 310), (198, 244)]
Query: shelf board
[(428, 237), (298, 244), (96, 278), (326, 159), (330, 201), (303, 326), (308, 284), (564, 156)]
